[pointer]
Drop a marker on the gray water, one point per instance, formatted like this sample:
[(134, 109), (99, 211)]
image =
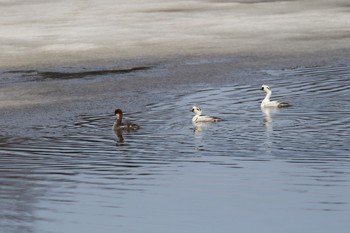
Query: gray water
[(284, 170)]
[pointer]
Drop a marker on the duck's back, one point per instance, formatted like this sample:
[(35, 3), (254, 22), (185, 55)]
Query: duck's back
[(125, 126), (275, 104), (200, 118)]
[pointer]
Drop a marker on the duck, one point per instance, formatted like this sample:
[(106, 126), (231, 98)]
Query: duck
[(119, 125), (198, 117), (268, 103)]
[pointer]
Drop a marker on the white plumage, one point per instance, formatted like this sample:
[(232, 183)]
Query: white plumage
[(268, 103), (198, 117)]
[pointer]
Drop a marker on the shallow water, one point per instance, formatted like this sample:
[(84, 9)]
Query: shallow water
[(282, 170)]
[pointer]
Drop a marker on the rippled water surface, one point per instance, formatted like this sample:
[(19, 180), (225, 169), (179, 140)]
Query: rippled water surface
[(284, 170)]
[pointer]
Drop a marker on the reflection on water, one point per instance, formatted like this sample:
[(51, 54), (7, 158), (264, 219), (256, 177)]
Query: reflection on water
[(291, 163), (268, 117), (120, 138), (199, 126)]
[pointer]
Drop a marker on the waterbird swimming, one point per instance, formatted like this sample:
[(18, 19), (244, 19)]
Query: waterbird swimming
[(119, 125), (268, 103), (198, 117)]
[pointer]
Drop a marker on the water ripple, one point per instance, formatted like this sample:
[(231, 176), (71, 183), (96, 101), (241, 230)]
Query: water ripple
[(306, 146)]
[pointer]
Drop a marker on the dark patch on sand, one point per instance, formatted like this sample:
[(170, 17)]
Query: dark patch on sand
[(44, 75), (34, 75), (83, 74)]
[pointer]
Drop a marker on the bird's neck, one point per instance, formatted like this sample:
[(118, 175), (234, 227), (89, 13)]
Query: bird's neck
[(267, 97), (119, 119)]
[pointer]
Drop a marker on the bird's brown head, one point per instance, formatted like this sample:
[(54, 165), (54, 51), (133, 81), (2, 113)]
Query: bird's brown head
[(118, 112)]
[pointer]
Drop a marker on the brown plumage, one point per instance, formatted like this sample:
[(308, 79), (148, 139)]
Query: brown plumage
[(119, 125)]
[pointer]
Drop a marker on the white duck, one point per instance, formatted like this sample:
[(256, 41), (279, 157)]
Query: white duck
[(268, 103), (200, 118), (118, 125)]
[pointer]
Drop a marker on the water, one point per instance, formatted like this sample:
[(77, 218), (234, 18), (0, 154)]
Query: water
[(283, 170)]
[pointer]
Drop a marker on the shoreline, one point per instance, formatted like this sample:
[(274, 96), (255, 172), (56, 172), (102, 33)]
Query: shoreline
[(147, 74), (54, 101)]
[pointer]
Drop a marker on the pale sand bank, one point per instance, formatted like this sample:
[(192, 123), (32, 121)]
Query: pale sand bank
[(57, 33)]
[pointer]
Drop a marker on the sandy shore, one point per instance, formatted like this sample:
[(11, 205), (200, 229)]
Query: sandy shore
[(38, 33)]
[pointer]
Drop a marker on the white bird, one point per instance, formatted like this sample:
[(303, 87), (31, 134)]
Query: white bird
[(118, 125), (268, 103), (200, 118)]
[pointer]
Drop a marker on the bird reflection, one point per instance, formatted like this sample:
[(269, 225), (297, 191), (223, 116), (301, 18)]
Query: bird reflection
[(119, 136), (268, 117), (268, 113), (199, 126)]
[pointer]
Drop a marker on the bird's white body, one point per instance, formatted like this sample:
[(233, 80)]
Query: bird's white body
[(198, 117), (268, 103)]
